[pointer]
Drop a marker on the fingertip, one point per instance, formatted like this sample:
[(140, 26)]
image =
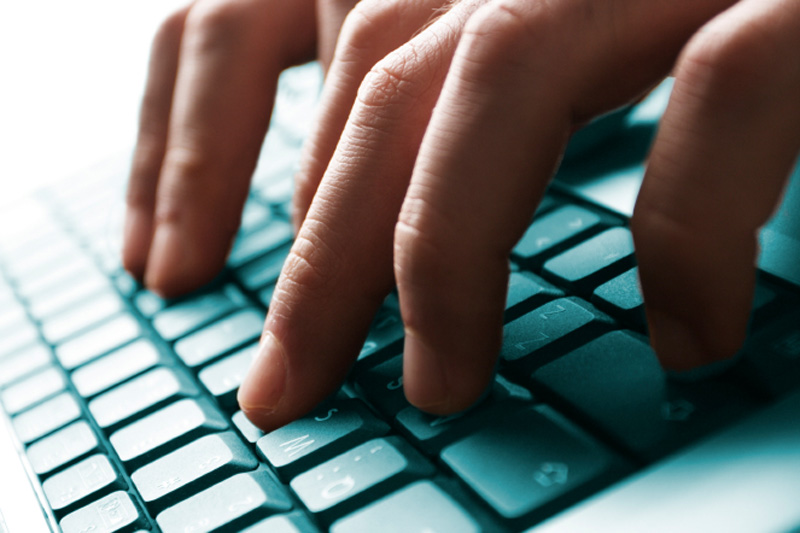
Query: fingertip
[(681, 348), (137, 233), (175, 266)]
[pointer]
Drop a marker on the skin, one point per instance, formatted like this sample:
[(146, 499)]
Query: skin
[(426, 103)]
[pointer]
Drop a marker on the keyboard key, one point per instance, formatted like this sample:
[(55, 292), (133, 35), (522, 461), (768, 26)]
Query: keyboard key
[(260, 242), (62, 447), (21, 337), (326, 432), (433, 432), (23, 362), (165, 430), (183, 318), (33, 390), (116, 367), (148, 303), (98, 341), (770, 359), (621, 298), (554, 232), (194, 466), (616, 384), (530, 464), (383, 386), (222, 379), (220, 338), (71, 321), (593, 262), (71, 266), (541, 335), (285, 523), (115, 512), (231, 504), (359, 476), (527, 291), (76, 484), (422, 506), (68, 295), (46, 417), (385, 337), (247, 429), (265, 270), (140, 396)]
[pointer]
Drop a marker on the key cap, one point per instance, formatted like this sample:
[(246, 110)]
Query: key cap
[(260, 242), (98, 341), (265, 270), (33, 390), (621, 298), (23, 362), (62, 447), (139, 396), (364, 474), (231, 504), (220, 338), (326, 432), (433, 432), (254, 216), (70, 266), (247, 429), (21, 337), (616, 384), (222, 379), (554, 232), (67, 296), (593, 262), (165, 430), (285, 523), (552, 329), (527, 291), (195, 466), (75, 485), (530, 464), (89, 313), (115, 512), (183, 318), (385, 337), (46, 417), (149, 303), (422, 506), (116, 367), (770, 359), (12, 314), (383, 386), (744, 479)]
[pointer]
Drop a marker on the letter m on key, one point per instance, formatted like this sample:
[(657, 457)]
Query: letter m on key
[(295, 446)]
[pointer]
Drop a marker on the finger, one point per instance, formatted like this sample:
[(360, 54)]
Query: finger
[(231, 55), (723, 153), (523, 76), (330, 17), (151, 142), (372, 30), (340, 266)]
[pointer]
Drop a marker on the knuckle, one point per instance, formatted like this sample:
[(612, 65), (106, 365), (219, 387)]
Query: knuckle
[(311, 265)]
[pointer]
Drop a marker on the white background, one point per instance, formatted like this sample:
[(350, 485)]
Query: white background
[(71, 78)]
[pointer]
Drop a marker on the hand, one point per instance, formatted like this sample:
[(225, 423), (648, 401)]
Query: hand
[(434, 198)]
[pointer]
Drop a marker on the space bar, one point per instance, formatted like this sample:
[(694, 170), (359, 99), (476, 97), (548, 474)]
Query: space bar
[(744, 479)]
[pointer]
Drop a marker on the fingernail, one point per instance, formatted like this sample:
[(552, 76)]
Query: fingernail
[(425, 378), (677, 346), (264, 385)]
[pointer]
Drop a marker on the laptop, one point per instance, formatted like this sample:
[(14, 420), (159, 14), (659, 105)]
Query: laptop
[(119, 409)]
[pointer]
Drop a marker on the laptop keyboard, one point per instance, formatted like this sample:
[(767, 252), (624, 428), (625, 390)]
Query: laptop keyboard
[(125, 404)]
